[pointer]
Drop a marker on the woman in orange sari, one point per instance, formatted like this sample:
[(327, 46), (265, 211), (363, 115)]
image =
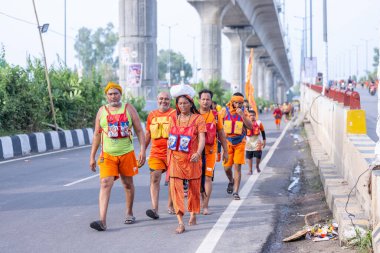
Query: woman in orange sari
[(185, 145)]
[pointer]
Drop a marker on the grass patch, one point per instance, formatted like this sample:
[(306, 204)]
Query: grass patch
[(362, 241)]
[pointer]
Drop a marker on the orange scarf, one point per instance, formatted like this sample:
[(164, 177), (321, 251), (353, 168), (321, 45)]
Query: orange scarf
[(234, 99)]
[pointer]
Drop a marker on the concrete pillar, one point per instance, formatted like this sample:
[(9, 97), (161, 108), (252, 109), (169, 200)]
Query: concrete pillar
[(211, 13), (238, 38), (275, 99), (268, 84), (260, 79), (279, 99), (281, 92), (137, 44)]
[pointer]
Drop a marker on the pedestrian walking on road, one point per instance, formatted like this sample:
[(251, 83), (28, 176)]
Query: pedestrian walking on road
[(157, 129), (277, 114), (185, 146), (235, 124), (113, 130), (254, 145), (214, 128)]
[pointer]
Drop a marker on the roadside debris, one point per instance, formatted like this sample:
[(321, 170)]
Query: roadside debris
[(315, 230)]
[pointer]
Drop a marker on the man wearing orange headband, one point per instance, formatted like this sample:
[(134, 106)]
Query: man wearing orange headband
[(113, 125), (235, 124)]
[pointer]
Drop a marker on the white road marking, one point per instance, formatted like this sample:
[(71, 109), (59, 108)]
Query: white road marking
[(212, 238), (44, 154), (81, 180), (88, 178)]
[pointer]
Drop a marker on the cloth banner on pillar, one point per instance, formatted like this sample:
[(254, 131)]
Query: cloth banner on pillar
[(249, 89)]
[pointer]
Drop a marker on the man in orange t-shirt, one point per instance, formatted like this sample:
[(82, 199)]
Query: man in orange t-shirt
[(157, 129), (214, 127)]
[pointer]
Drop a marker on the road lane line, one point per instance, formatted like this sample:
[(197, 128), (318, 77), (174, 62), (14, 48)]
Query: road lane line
[(87, 178), (81, 180), (212, 238), (44, 154)]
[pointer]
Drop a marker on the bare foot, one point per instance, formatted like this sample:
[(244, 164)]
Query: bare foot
[(258, 170), (249, 172), (205, 211), (180, 229), (193, 220), (171, 210)]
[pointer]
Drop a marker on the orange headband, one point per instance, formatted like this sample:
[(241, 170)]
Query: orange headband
[(237, 99), (112, 85)]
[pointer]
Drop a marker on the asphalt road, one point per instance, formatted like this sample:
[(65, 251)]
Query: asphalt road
[(38, 213), (369, 104)]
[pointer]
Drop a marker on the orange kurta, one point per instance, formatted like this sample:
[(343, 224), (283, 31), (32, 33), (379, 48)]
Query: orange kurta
[(181, 168), (179, 162)]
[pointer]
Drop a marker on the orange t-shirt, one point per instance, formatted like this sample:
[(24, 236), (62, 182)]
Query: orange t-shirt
[(210, 118), (179, 162), (159, 146), (222, 114)]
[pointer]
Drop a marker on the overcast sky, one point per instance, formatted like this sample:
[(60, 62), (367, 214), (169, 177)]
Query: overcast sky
[(350, 23)]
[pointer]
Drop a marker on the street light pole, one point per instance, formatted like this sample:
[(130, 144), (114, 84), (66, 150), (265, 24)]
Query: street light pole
[(169, 60), (65, 32), (325, 78), (311, 30), (194, 67), (46, 69), (305, 23), (357, 62), (366, 57)]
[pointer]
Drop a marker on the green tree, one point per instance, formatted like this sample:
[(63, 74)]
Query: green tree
[(95, 51), (178, 63), (221, 96)]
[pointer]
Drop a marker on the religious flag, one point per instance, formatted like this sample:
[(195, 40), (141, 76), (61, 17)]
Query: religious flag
[(249, 89)]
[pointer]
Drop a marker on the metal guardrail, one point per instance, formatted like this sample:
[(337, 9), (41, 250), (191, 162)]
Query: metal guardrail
[(346, 97)]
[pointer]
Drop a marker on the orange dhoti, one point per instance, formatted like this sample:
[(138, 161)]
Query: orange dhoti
[(193, 195)]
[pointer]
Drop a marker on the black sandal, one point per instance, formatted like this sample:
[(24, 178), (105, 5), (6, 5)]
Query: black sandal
[(236, 196), (98, 225), (230, 188), (151, 213)]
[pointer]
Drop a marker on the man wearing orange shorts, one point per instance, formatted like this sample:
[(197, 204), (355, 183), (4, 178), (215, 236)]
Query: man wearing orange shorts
[(157, 129), (235, 124), (214, 127), (277, 114), (113, 129)]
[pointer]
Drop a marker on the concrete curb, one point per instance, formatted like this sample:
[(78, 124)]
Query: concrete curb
[(336, 192), (25, 144)]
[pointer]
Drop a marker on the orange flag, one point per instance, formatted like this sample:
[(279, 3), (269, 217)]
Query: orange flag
[(249, 89)]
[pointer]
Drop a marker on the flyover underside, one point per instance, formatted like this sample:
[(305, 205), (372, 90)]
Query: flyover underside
[(260, 14)]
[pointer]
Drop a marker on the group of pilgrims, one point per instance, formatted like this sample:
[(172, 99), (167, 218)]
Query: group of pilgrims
[(186, 143)]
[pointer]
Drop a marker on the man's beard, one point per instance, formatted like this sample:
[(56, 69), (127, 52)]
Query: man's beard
[(115, 103)]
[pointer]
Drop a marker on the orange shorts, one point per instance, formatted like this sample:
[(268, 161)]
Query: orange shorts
[(210, 163), (113, 166), (277, 121), (236, 154), (157, 164)]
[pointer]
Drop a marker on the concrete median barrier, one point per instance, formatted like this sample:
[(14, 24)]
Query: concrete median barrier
[(344, 154)]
